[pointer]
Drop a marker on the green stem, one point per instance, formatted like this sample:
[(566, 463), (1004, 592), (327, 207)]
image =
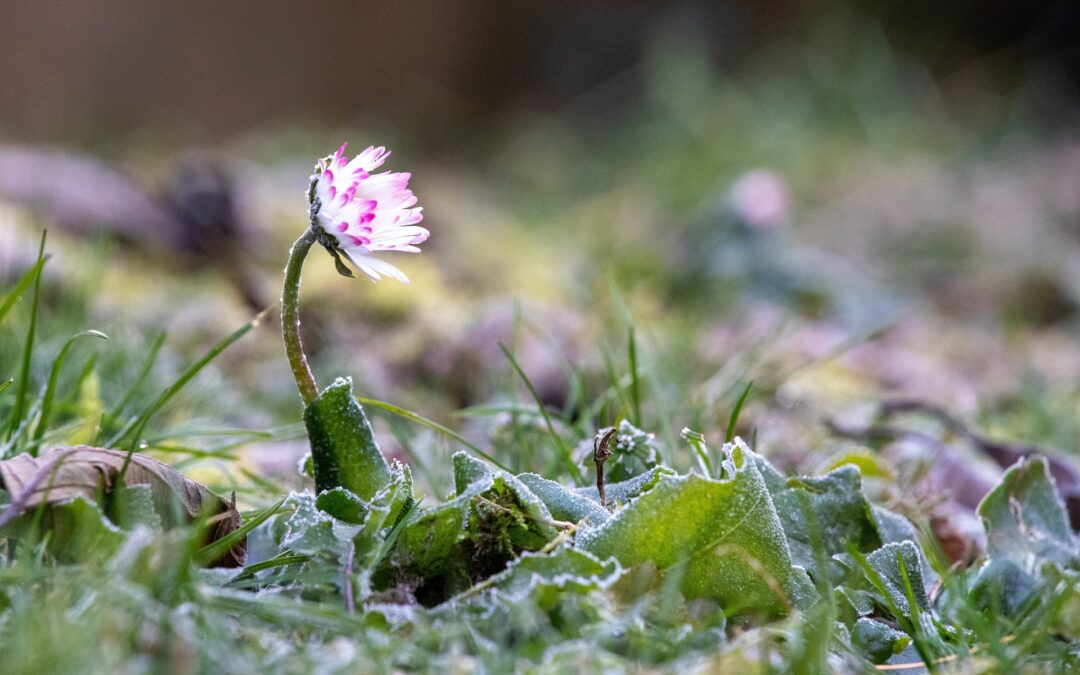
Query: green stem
[(290, 318)]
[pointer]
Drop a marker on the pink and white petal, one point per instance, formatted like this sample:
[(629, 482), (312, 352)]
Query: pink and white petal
[(411, 217), (395, 221), (368, 160), (364, 269), (373, 267), (405, 235), (388, 181)]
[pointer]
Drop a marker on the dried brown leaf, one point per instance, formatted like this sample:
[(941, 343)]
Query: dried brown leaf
[(62, 474)]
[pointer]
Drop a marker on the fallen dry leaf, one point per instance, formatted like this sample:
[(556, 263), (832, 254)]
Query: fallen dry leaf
[(62, 474)]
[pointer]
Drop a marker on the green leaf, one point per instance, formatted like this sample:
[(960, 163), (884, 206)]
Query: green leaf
[(567, 569), (532, 526), (627, 490), (1027, 527), (888, 577), (398, 495), (343, 446), (310, 530), (132, 506), (1001, 584), (840, 513), (723, 536), (343, 505), (468, 470), (877, 641), (854, 601), (564, 503), (1026, 520), (893, 527), (428, 558), (442, 551), (388, 510), (77, 530)]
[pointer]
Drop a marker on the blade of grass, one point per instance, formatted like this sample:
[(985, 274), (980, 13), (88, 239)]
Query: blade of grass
[(430, 424), (4, 385), (697, 441), (144, 372), (139, 423), (567, 454), (931, 645), (215, 550), (280, 560), (54, 376), (21, 432), (729, 436), (28, 277), (282, 611), (136, 424), (635, 380), (613, 394), (195, 453), (834, 353), (391, 537), (420, 462), (265, 483), (615, 382), (77, 386), (284, 432), (22, 388), (494, 409)]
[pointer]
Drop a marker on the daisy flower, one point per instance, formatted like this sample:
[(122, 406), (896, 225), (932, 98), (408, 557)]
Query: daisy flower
[(361, 213)]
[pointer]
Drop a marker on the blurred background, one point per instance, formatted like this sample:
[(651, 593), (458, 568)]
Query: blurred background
[(96, 75), (837, 200)]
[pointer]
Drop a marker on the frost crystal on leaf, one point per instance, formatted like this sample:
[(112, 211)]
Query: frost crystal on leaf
[(364, 213)]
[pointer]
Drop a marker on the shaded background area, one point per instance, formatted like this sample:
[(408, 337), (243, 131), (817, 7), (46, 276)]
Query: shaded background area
[(88, 73)]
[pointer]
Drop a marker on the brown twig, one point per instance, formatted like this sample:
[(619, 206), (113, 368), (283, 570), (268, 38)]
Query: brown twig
[(601, 451)]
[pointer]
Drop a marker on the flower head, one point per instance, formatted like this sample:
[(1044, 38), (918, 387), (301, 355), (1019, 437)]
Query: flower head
[(361, 213)]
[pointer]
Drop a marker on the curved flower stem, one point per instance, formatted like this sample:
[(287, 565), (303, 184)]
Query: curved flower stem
[(290, 317)]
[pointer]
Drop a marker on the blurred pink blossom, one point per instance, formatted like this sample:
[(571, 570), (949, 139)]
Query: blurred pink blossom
[(760, 198)]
